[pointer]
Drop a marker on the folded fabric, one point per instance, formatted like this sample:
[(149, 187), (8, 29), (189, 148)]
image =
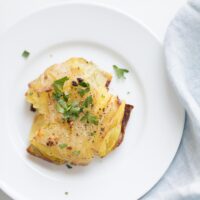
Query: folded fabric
[(182, 51)]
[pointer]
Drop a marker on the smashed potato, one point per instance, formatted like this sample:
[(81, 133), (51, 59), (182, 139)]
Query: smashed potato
[(76, 116)]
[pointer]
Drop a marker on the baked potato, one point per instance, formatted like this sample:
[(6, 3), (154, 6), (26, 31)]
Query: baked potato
[(76, 116)]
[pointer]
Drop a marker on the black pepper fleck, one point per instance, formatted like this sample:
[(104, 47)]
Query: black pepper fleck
[(79, 80), (102, 129)]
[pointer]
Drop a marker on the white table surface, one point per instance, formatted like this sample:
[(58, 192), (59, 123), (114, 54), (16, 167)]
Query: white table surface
[(156, 14)]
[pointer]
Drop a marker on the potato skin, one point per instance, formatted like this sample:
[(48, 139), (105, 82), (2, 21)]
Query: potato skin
[(83, 141)]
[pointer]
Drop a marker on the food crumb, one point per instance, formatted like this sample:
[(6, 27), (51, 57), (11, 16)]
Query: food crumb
[(66, 193), (69, 166), (128, 92)]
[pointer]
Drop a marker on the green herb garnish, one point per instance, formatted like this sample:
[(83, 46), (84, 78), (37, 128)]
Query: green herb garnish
[(82, 92), (119, 71), (57, 95), (59, 108), (25, 54), (66, 193), (86, 89), (88, 101), (84, 84), (62, 146), (76, 153), (89, 118), (58, 84), (71, 110), (74, 112)]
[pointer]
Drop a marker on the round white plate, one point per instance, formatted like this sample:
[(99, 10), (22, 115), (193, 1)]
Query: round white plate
[(106, 37)]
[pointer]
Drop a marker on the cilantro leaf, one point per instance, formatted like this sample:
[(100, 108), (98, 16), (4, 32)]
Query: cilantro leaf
[(119, 71)]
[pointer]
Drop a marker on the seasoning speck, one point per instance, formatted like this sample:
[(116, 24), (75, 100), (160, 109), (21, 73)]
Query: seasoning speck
[(79, 80), (128, 92), (74, 83), (25, 54), (102, 129), (66, 193), (32, 108)]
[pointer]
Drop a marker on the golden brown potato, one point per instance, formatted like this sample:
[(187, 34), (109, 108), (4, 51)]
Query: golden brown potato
[(77, 118)]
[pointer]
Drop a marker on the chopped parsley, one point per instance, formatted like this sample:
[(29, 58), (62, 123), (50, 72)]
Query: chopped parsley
[(85, 88), (73, 113), (120, 72), (84, 84), (25, 54), (89, 118), (62, 146), (66, 193), (88, 101), (76, 153), (58, 84), (82, 92), (59, 108), (71, 110)]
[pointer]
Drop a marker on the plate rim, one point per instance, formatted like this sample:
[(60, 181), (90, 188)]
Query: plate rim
[(9, 191)]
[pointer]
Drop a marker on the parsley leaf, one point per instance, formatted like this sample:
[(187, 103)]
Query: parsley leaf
[(62, 146), (59, 108), (72, 111), (85, 85), (63, 104), (120, 72), (89, 118), (82, 92), (66, 193), (88, 101), (25, 54), (57, 95), (58, 84), (76, 153)]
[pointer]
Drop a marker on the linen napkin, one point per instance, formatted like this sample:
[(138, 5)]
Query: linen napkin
[(182, 51)]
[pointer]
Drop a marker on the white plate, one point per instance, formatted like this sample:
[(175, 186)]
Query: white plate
[(107, 37)]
